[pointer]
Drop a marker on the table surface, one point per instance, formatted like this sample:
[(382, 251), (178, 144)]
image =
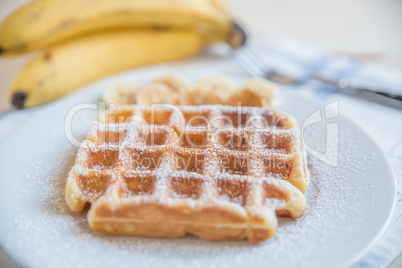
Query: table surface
[(365, 29)]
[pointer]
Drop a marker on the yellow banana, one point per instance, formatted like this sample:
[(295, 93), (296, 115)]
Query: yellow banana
[(64, 67), (42, 23)]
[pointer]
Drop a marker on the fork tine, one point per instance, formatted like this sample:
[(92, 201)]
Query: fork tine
[(264, 70), (253, 69), (247, 64), (256, 60)]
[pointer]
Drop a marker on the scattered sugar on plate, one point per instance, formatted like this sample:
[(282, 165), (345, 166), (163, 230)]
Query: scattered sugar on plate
[(51, 235)]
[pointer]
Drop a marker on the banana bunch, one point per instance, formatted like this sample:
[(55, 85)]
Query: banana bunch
[(83, 40)]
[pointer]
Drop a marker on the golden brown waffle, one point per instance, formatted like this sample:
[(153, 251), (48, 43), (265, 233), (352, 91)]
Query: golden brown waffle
[(211, 90), (214, 171)]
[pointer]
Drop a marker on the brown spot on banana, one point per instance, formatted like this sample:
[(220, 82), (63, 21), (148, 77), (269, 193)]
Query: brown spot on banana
[(47, 56), (158, 27), (62, 25)]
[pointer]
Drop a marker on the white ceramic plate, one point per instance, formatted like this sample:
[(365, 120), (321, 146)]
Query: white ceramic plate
[(348, 205)]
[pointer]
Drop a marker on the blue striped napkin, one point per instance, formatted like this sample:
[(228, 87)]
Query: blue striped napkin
[(300, 60)]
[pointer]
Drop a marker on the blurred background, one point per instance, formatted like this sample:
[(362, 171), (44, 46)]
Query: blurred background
[(369, 30)]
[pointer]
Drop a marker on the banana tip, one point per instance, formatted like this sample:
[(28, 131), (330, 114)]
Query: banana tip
[(19, 99), (238, 36)]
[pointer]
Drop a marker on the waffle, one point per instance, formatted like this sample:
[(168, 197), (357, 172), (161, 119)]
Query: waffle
[(209, 90), (214, 171), (255, 92), (206, 91)]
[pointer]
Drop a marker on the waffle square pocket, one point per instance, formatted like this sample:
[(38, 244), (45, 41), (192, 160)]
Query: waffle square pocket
[(217, 172)]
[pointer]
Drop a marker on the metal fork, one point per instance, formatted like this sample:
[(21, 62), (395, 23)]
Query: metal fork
[(256, 68)]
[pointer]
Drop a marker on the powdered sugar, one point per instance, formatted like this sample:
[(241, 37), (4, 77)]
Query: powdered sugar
[(58, 232), (42, 232)]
